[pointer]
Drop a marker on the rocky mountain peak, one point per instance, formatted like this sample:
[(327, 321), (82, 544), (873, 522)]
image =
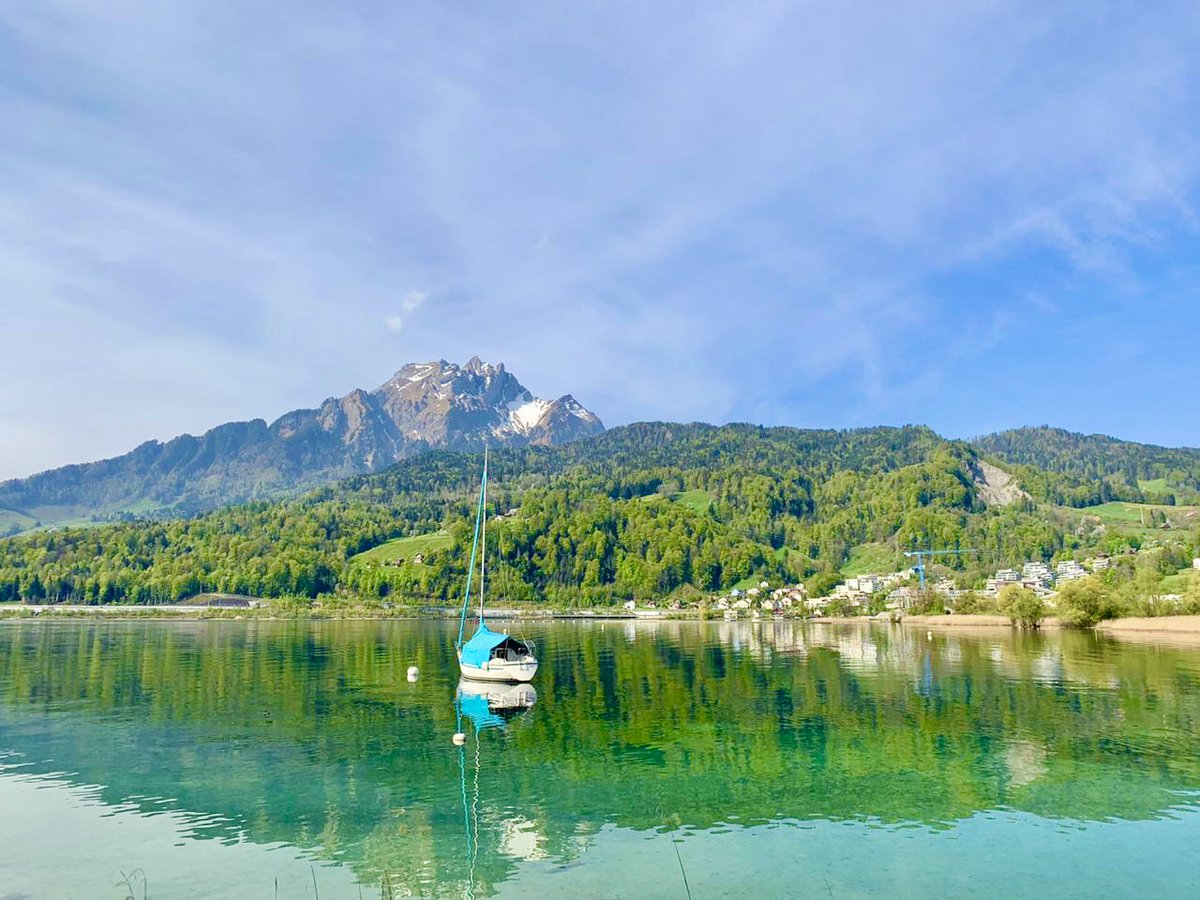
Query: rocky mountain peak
[(461, 407), (477, 366), (424, 405)]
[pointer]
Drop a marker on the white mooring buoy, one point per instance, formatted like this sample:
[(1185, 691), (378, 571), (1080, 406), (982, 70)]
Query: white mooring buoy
[(459, 738), (929, 635), (413, 672)]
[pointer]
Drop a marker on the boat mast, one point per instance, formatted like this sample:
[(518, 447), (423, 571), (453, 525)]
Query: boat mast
[(466, 604), (483, 536)]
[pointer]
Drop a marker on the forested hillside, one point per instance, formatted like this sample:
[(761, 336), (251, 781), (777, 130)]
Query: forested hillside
[(599, 519), (640, 511), (1082, 470)]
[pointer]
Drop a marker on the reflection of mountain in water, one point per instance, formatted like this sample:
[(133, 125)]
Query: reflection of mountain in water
[(310, 734)]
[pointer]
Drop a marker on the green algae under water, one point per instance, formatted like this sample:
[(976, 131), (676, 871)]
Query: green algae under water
[(293, 759)]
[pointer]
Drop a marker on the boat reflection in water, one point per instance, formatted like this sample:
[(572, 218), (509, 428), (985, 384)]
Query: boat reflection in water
[(486, 704), (490, 704)]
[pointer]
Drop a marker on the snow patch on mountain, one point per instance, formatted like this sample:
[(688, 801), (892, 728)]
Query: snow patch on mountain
[(527, 415)]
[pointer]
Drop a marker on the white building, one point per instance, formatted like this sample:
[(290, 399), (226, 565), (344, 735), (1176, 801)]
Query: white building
[(866, 584), (1037, 572), (1069, 570), (901, 598), (946, 587), (1001, 580)]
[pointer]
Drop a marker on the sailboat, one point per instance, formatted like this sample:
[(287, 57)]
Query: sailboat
[(489, 655)]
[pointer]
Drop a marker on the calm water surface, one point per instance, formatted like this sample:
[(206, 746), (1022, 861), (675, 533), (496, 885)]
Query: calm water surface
[(259, 759)]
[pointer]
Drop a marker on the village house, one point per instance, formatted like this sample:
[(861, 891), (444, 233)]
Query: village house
[(1001, 580), (786, 597), (901, 598), (1037, 572), (865, 584), (1069, 570)]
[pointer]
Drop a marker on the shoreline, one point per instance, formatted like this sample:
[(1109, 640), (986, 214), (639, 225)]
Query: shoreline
[(976, 620), (1181, 628)]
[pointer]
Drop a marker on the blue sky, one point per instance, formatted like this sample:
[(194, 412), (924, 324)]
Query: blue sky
[(971, 215)]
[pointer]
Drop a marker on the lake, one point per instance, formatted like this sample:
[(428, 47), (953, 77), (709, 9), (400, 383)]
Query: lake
[(657, 759)]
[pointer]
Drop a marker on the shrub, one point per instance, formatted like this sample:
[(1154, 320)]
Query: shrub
[(928, 603), (973, 603), (840, 607), (1022, 605), (1088, 601)]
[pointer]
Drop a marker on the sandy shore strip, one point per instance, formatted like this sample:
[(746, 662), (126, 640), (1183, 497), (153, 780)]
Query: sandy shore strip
[(1160, 624), (951, 621), (973, 621), (958, 621)]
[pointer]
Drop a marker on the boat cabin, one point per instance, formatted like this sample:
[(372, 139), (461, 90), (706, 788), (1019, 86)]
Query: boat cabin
[(488, 645), (510, 649)]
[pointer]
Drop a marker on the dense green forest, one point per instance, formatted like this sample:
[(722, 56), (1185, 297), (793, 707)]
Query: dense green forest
[(1082, 470), (638, 512)]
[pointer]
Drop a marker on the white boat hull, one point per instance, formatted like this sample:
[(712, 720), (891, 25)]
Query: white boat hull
[(520, 670)]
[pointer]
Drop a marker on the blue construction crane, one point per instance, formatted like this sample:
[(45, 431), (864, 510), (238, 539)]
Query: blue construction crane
[(919, 568)]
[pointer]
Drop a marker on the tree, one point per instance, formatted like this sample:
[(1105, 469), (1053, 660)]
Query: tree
[(1022, 606), (1088, 601)]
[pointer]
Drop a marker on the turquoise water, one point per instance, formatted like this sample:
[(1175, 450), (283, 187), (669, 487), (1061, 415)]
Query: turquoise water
[(262, 759)]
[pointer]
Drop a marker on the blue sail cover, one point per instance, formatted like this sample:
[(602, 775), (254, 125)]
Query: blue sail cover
[(478, 649)]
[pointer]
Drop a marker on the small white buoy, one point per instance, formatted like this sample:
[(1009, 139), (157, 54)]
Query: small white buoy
[(459, 738), (413, 672), (412, 679), (929, 635)]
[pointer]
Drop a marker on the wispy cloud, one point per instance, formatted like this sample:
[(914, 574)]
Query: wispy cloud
[(412, 300), (761, 210)]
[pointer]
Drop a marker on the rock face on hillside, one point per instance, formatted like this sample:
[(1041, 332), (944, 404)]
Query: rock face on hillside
[(423, 406), (995, 486)]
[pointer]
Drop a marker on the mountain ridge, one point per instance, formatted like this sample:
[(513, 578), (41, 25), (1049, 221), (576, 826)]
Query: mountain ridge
[(422, 406)]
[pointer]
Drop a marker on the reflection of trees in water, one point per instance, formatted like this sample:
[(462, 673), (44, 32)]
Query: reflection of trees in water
[(310, 734)]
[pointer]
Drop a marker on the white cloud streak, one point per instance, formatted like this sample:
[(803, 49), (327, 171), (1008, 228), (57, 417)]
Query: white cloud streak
[(746, 210)]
